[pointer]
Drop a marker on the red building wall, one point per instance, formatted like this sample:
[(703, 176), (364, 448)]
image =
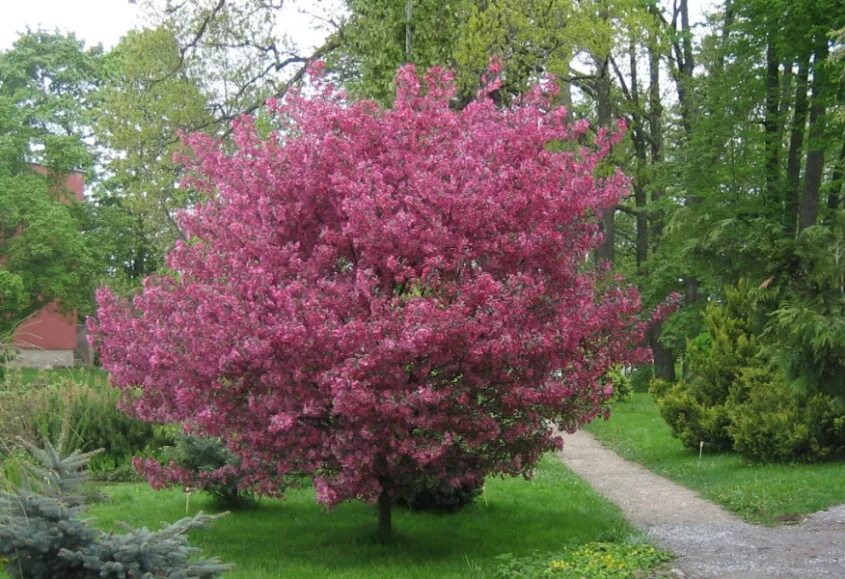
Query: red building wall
[(47, 330)]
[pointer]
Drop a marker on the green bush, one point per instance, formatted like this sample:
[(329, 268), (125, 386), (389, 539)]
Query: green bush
[(736, 395), (83, 414), (695, 406), (208, 456), (693, 421), (772, 423), (619, 377), (641, 378)]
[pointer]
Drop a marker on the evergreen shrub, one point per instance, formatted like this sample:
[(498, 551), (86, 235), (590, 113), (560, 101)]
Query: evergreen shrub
[(735, 394), (43, 534), (85, 415)]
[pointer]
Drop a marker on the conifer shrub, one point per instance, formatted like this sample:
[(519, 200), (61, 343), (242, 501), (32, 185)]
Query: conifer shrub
[(772, 423), (737, 394), (694, 407), (34, 530), (43, 534), (85, 415), (619, 378), (145, 553), (200, 463)]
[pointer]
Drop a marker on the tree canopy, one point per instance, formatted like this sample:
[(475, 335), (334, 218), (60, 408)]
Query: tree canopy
[(46, 85), (385, 295)]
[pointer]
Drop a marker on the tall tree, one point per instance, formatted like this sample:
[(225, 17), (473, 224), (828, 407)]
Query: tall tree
[(45, 85), (146, 104)]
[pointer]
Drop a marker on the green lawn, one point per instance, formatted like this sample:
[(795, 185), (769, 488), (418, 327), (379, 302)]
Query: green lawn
[(297, 538), (758, 492)]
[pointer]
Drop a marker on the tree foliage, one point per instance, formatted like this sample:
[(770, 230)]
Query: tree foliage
[(46, 83), (384, 295), (43, 255), (145, 103)]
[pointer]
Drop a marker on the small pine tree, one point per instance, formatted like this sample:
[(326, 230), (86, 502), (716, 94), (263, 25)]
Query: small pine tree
[(42, 534), (53, 475), (34, 529), (42, 516)]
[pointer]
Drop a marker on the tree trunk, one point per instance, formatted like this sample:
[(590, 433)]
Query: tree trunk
[(655, 128), (685, 65), (835, 192), (385, 521), (771, 124), (796, 145), (664, 359), (640, 151), (809, 209), (606, 252)]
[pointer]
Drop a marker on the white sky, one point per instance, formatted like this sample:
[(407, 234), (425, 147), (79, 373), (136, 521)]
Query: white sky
[(106, 21)]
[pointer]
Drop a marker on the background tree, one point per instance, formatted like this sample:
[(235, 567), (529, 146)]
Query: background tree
[(45, 85), (385, 295), (147, 101)]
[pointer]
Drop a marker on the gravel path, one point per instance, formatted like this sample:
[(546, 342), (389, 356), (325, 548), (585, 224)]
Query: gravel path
[(709, 541)]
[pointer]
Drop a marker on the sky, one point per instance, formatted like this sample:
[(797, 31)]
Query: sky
[(106, 21)]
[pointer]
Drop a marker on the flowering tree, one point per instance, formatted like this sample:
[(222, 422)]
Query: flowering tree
[(373, 296)]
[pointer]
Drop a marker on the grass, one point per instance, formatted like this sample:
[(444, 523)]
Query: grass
[(760, 493), (91, 376), (298, 538)]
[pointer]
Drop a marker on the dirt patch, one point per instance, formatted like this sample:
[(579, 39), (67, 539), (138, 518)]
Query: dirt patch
[(709, 541)]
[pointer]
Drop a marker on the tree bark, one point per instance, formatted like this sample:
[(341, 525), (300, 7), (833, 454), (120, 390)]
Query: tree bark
[(385, 519), (655, 128), (640, 151), (834, 195), (796, 146), (664, 359), (606, 252), (771, 125), (809, 209), (685, 64)]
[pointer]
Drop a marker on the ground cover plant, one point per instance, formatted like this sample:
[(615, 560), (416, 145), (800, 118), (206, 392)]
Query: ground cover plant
[(385, 295), (295, 537), (762, 493), (593, 560)]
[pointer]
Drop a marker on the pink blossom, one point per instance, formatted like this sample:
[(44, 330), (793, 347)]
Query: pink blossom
[(376, 295)]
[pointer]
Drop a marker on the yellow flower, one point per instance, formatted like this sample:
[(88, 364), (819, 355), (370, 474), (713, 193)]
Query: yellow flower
[(558, 565)]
